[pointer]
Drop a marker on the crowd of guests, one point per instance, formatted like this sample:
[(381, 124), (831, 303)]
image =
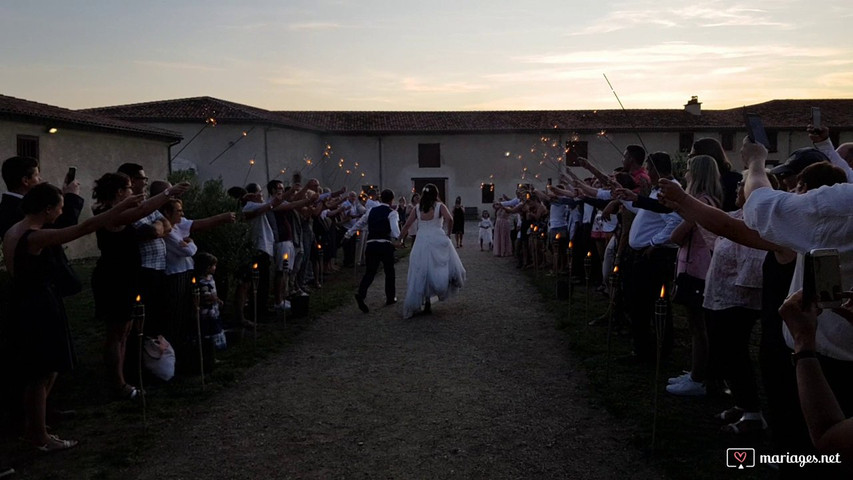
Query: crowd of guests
[(731, 245), (148, 259)]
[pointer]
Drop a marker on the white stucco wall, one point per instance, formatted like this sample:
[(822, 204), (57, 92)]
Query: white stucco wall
[(93, 153)]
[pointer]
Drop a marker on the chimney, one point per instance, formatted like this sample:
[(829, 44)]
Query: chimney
[(693, 107)]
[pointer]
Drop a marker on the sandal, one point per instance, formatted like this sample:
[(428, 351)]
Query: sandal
[(56, 444), (731, 415), (745, 426), (128, 391)]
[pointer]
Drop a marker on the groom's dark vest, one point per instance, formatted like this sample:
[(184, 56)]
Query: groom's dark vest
[(378, 224)]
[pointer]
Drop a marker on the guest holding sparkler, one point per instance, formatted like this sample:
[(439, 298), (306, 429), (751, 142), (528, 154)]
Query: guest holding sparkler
[(37, 319), (114, 280)]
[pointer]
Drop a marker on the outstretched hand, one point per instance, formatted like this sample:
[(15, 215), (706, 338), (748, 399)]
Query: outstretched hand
[(801, 321), (130, 202), (817, 134), (622, 193), (752, 153)]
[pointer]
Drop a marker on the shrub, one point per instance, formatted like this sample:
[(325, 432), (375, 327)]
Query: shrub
[(230, 243)]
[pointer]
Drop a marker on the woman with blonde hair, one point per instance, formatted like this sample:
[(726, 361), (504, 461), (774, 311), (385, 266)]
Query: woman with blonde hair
[(729, 178), (694, 258)]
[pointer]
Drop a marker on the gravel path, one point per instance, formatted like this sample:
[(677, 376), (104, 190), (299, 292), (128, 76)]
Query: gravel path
[(482, 388)]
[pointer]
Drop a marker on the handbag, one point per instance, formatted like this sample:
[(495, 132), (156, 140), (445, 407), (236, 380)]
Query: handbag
[(159, 357), (689, 290)]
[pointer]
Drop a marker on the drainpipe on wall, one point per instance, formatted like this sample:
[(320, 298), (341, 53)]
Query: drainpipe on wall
[(381, 185), (266, 154), (169, 156)]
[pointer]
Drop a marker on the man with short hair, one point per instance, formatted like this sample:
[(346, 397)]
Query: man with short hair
[(150, 233), (20, 175), (649, 264), (383, 227)]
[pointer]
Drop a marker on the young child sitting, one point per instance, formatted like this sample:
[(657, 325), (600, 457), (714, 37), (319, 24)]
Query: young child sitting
[(209, 302), (485, 230)]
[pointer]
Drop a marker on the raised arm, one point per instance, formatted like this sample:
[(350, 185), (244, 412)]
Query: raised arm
[(830, 431), (713, 219), (47, 237), (212, 222)]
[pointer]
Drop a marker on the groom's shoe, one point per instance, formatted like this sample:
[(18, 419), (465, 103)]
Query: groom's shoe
[(361, 305), (391, 301)]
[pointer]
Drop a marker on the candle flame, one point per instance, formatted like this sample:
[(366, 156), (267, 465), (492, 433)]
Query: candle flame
[(570, 244), (285, 256), (319, 247), (662, 290), (588, 254), (193, 280), (558, 236), (138, 298), (255, 266), (616, 269)]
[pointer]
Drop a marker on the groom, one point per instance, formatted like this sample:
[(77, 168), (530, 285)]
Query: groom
[(383, 229)]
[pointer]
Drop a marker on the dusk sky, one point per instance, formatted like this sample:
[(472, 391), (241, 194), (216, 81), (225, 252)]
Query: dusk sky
[(435, 55)]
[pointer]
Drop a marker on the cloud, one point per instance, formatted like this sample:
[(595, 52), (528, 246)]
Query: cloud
[(177, 65), (415, 85), (677, 16), (671, 52), (314, 26)]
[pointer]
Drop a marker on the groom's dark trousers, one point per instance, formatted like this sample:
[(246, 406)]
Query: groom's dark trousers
[(375, 253)]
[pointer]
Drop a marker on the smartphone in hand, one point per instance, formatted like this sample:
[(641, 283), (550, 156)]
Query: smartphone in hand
[(70, 175), (816, 120), (755, 129), (822, 278)]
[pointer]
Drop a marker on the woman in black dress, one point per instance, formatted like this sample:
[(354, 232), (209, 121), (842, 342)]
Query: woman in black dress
[(37, 320), (458, 221), (114, 278)]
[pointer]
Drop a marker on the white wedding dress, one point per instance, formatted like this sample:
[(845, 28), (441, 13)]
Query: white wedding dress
[(434, 265)]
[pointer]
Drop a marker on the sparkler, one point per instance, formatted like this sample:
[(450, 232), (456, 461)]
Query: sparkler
[(243, 134)]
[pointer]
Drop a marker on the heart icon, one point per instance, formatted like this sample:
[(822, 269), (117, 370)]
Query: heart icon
[(740, 456)]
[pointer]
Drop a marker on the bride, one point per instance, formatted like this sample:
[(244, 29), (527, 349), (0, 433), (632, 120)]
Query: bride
[(434, 265)]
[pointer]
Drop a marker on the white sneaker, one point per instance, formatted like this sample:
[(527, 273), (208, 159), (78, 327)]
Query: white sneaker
[(673, 380), (687, 388)]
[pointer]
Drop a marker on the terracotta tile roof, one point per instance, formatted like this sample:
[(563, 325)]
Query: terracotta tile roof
[(197, 109), (780, 114), (783, 114), (33, 112)]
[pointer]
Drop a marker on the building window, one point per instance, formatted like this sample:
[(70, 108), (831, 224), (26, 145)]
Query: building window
[(727, 140), (772, 137), (685, 141), (487, 193), (429, 155), (28, 146)]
